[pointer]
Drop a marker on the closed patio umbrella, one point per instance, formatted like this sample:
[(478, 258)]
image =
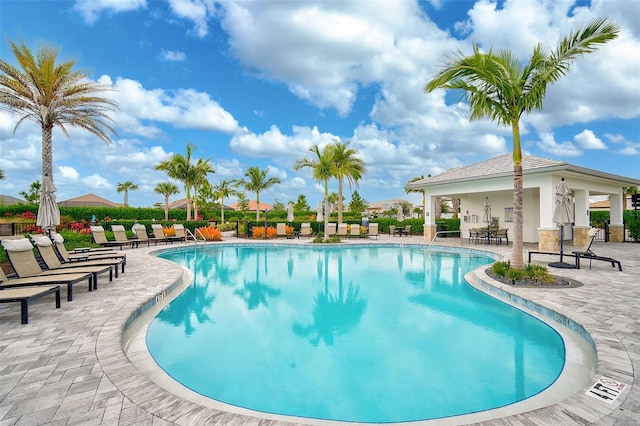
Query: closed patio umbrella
[(48, 211), (290, 212), (319, 217), (562, 216), (400, 216)]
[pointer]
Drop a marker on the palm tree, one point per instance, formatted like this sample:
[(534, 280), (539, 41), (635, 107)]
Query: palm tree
[(126, 187), (498, 86), (167, 189), (1, 174), (224, 189), (181, 168), (199, 181), (258, 182), (414, 190), (346, 165), (53, 95), (322, 166)]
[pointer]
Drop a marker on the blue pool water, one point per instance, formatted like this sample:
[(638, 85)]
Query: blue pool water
[(366, 334)]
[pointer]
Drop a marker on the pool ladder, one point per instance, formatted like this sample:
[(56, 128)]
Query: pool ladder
[(195, 238)]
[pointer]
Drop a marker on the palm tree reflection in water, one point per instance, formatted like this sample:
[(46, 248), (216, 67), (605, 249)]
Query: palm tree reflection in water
[(333, 314)]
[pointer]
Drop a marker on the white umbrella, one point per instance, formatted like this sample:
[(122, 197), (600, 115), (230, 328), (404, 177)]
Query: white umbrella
[(400, 216), (290, 212), (48, 211), (319, 217), (562, 216), (487, 212)]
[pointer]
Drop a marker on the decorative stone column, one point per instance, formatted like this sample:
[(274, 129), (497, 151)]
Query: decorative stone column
[(548, 239), (429, 231), (580, 237), (616, 233)]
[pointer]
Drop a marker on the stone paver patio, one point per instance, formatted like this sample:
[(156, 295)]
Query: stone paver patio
[(68, 367)]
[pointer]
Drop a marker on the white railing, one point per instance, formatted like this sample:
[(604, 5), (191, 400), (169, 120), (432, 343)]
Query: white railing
[(193, 236)]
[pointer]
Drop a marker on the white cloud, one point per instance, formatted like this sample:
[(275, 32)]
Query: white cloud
[(91, 9), (96, 181), (548, 144), (172, 55), (197, 11), (588, 140), (68, 173)]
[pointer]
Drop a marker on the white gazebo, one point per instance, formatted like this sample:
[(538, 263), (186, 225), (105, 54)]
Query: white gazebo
[(493, 178)]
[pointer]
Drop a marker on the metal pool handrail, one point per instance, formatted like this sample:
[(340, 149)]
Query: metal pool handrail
[(436, 234)]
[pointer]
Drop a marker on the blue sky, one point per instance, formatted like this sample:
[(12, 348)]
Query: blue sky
[(256, 83)]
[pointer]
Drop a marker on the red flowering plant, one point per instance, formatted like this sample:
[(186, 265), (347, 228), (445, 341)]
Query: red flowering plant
[(28, 215), (77, 226), (8, 214), (33, 229)]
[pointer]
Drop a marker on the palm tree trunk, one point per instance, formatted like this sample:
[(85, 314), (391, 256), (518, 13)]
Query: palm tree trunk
[(258, 209), (340, 200), (47, 148), (188, 193), (221, 210), (126, 197), (517, 261), (166, 207)]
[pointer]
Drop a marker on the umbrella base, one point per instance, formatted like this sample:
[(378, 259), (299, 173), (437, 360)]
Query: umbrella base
[(562, 265)]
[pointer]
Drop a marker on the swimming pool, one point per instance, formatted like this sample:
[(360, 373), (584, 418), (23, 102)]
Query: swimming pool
[(367, 334)]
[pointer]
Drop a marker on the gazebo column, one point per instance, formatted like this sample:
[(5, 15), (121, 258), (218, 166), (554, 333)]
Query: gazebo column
[(547, 232), (581, 215), (429, 227), (616, 227)]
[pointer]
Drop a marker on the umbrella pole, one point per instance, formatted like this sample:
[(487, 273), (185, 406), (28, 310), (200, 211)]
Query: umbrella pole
[(561, 242), (562, 264)]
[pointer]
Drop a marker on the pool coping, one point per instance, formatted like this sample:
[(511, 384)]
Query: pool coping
[(613, 360)]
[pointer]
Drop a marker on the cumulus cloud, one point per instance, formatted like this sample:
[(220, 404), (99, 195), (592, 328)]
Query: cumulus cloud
[(172, 55), (68, 173), (548, 144), (91, 9), (197, 11), (588, 140)]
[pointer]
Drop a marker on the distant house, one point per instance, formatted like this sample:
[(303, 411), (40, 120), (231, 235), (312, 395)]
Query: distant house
[(382, 206), (605, 205), (88, 200), (252, 206), (7, 200)]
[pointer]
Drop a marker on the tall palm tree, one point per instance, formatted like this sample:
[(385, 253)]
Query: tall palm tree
[(53, 94), (181, 167), (257, 181), (414, 190), (167, 189), (498, 86), (199, 180), (1, 174), (322, 167), (224, 189), (346, 165), (126, 187)]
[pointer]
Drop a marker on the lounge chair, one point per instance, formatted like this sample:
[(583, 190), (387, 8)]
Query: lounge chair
[(587, 253), (27, 261), (342, 230), (158, 234), (281, 230), (373, 230), (68, 279), (143, 237), (181, 233), (24, 294), (82, 256), (331, 230), (120, 234), (49, 256), (354, 230), (99, 237), (306, 230)]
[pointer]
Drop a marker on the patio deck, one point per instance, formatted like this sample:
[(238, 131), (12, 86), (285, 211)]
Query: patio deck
[(67, 366)]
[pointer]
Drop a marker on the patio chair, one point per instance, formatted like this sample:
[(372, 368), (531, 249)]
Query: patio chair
[(50, 259), (501, 234), (99, 237), (33, 277), (408, 230), (393, 230), (181, 233), (48, 253), (82, 256), (306, 230), (158, 234), (473, 235), (24, 294), (281, 230), (342, 230), (354, 231), (332, 230), (373, 230), (587, 253)]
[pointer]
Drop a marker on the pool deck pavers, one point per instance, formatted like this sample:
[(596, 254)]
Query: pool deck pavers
[(68, 367)]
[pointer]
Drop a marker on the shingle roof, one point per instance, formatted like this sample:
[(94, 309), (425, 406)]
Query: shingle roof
[(91, 200), (497, 166)]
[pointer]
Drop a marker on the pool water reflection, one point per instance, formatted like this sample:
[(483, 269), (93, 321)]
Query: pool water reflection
[(367, 334)]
